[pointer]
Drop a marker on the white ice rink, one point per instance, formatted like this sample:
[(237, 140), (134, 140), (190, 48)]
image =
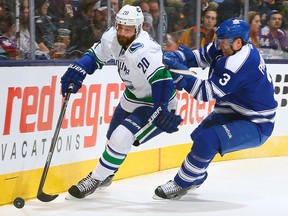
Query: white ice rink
[(251, 187)]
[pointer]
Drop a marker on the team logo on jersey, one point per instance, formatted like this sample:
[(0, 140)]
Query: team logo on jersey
[(135, 46)]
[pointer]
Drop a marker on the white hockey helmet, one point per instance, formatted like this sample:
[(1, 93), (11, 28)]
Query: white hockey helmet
[(130, 15)]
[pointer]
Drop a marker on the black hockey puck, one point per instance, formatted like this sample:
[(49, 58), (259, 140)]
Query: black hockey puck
[(19, 202)]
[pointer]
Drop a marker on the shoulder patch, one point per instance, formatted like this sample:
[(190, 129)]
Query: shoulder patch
[(135, 46)]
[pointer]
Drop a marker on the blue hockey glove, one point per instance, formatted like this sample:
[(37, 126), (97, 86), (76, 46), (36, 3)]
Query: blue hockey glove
[(179, 81), (165, 120), (187, 52), (75, 74), (183, 81), (175, 60), (77, 71)]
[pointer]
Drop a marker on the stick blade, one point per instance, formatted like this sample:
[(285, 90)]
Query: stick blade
[(46, 197)]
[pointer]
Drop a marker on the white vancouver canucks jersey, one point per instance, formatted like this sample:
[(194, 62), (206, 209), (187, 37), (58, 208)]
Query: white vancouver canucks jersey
[(136, 66)]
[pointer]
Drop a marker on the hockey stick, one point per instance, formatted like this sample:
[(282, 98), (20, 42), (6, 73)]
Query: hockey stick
[(40, 194), (139, 136), (186, 72)]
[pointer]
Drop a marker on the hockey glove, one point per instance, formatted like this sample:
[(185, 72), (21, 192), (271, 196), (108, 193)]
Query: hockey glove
[(75, 74), (187, 52), (183, 81), (77, 71), (175, 60), (165, 120), (179, 81)]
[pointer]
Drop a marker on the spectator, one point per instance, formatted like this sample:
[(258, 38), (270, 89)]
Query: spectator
[(143, 4), (3, 9), (82, 34), (61, 12), (189, 10), (7, 38), (207, 33), (158, 27), (7, 26), (263, 6), (45, 31), (229, 9), (213, 5), (3, 53), (115, 6), (148, 24), (101, 19), (177, 24), (255, 24), (189, 13), (204, 4), (176, 19), (24, 44), (271, 36), (129, 2), (9, 6)]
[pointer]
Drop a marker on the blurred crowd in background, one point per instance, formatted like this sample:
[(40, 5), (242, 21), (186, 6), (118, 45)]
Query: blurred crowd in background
[(65, 29)]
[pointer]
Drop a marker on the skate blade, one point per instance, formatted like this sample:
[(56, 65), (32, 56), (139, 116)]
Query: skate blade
[(70, 197), (102, 188), (155, 197)]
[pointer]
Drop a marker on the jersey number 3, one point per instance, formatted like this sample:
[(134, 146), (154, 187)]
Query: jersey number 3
[(223, 81)]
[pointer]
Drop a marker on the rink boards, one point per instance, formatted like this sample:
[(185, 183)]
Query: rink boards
[(31, 102)]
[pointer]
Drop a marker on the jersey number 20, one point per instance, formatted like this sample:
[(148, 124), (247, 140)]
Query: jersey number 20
[(143, 64)]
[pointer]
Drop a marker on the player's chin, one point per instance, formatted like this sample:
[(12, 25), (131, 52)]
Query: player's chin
[(125, 41), (122, 40)]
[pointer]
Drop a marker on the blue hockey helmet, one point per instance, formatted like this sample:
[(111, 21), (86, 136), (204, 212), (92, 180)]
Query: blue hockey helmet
[(234, 28)]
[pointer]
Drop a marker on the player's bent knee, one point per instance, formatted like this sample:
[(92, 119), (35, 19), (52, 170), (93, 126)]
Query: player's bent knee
[(206, 145), (121, 140)]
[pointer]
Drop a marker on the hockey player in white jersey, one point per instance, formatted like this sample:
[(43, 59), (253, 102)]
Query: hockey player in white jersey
[(148, 104), (245, 108)]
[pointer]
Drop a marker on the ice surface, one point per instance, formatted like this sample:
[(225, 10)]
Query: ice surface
[(242, 187)]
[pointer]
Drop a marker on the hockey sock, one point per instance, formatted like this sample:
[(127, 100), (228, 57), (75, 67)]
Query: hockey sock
[(193, 169), (109, 163)]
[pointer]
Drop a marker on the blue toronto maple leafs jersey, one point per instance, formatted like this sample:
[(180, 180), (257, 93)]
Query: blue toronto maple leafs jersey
[(240, 84)]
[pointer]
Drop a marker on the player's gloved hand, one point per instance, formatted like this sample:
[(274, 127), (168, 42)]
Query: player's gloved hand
[(175, 60), (179, 81), (183, 81), (187, 52), (75, 74), (165, 120)]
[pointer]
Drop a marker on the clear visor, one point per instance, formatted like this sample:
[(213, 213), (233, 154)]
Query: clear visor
[(229, 41)]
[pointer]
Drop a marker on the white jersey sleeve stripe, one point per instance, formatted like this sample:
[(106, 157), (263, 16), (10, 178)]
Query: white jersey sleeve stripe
[(209, 90), (245, 111), (217, 90)]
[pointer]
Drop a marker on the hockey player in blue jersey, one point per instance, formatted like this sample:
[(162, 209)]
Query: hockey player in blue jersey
[(244, 112)]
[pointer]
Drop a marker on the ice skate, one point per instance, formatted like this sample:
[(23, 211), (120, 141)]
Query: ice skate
[(107, 182), (84, 187), (170, 190)]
